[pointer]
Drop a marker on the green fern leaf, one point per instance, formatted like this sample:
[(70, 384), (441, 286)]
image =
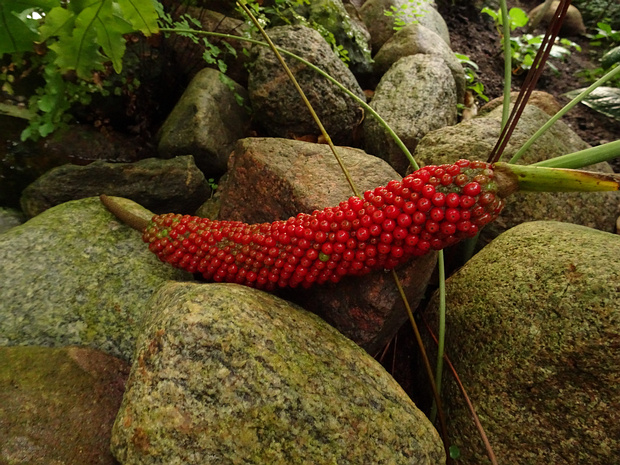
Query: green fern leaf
[(110, 29), (142, 15), (80, 51), (21, 5), (59, 21), (16, 31)]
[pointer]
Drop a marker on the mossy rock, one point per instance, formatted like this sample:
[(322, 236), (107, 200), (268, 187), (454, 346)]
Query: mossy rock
[(533, 327), (228, 374), (74, 275)]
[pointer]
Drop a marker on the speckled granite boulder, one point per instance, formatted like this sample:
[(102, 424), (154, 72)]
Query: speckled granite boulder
[(381, 27), (206, 122), (226, 374), (413, 39), (417, 95), (74, 275), (274, 98), (271, 179), (163, 186), (474, 140), (533, 328), (57, 406)]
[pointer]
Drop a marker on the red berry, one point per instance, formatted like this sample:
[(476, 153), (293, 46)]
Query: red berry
[(472, 188)]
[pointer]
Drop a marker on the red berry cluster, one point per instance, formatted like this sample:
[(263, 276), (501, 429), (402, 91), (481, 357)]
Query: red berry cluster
[(432, 208)]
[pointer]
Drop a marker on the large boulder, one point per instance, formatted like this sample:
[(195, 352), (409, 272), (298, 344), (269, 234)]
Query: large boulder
[(348, 32), (381, 27), (281, 110), (413, 39), (417, 95), (159, 185), (273, 179), (74, 275), (474, 140), (206, 122), (573, 22), (58, 405), (228, 374), (533, 326)]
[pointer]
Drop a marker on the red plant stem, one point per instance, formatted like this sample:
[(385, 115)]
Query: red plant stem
[(530, 80), (472, 410)]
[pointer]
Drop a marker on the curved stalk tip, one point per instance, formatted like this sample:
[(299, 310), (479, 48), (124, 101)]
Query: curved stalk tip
[(130, 219)]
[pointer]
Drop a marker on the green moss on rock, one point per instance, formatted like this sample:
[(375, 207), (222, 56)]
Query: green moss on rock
[(74, 275), (533, 330), (227, 374)]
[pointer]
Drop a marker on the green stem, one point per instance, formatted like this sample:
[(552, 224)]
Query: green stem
[(517, 156), (507, 62), (511, 178), (442, 330), (427, 366), (585, 157), (362, 103)]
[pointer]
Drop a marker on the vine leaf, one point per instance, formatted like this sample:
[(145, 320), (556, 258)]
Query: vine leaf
[(90, 34), (141, 14), (80, 51), (16, 31), (58, 22)]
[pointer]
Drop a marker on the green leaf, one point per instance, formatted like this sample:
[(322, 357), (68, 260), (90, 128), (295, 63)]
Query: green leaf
[(110, 30), (16, 34), (59, 21), (493, 14), (518, 18), (141, 14), (46, 129), (605, 100), (80, 51), (611, 58), (21, 5)]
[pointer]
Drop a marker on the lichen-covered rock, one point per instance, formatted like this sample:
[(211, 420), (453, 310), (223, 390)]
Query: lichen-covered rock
[(160, 185), (417, 95), (474, 140), (58, 406), (280, 109), (74, 275), (206, 122), (413, 39), (533, 327), (381, 27), (227, 374), (271, 179)]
